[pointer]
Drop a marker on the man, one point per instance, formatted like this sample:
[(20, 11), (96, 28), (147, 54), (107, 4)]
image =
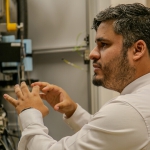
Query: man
[(121, 61)]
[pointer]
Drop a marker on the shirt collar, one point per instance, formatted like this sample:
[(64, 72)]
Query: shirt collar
[(136, 84)]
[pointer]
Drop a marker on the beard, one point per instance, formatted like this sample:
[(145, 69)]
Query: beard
[(117, 73)]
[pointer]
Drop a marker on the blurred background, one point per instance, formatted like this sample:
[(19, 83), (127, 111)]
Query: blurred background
[(49, 41)]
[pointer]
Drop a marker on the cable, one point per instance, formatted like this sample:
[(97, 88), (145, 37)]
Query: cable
[(6, 148), (10, 143)]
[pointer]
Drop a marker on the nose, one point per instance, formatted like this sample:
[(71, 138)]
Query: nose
[(94, 54)]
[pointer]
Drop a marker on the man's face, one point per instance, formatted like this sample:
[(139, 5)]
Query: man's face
[(110, 60)]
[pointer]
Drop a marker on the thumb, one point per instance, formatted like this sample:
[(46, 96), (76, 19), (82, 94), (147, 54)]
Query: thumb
[(59, 106), (56, 108)]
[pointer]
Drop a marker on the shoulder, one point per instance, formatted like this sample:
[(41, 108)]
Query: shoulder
[(119, 114), (119, 123)]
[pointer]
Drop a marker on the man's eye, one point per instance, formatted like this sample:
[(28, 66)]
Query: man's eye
[(103, 45)]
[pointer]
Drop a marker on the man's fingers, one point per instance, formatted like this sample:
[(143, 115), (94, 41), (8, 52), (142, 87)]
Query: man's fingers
[(36, 89), (44, 86), (18, 91), (13, 101), (24, 88), (40, 84)]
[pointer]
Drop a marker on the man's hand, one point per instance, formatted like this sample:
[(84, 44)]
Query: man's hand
[(57, 98), (27, 99)]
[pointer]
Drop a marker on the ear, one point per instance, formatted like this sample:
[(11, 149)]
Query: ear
[(140, 49)]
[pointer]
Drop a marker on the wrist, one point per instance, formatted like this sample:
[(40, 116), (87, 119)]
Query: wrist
[(26, 109), (70, 113)]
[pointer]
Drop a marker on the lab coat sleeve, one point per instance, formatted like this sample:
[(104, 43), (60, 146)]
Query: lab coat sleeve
[(32, 126), (114, 127)]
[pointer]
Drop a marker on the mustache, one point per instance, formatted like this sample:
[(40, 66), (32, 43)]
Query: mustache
[(97, 63)]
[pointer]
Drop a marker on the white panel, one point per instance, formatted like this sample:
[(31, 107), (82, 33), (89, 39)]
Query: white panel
[(116, 2), (101, 4), (56, 23)]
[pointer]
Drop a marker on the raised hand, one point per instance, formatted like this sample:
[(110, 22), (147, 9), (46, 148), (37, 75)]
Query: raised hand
[(27, 99), (57, 98)]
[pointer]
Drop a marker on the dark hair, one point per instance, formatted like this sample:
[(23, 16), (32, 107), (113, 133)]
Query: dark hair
[(132, 21)]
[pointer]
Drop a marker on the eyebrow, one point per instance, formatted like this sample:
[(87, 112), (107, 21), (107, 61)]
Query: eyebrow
[(101, 39)]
